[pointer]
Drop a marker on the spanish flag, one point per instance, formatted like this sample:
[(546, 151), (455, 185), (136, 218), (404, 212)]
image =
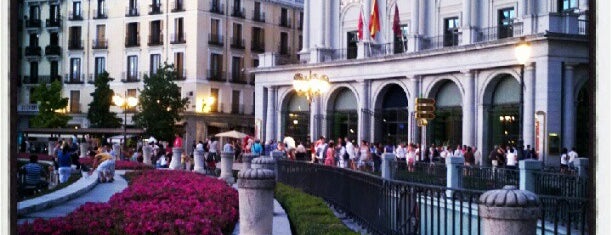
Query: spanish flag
[(360, 25), (374, 20)]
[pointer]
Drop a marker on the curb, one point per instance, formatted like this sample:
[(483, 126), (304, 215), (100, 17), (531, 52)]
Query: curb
[(58, 197)]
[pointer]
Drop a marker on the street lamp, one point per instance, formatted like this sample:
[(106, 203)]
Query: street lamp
[(311, 85), (522, 52), (125, 103)]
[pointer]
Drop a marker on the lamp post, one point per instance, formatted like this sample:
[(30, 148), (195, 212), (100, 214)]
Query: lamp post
[(522, 52), (125, 102), (310, 86)]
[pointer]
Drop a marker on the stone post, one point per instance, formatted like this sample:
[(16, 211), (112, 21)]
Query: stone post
[(264, 163), (247, 159), (387, 168), (50, 149), (453, 173), (582, 165), (147, 151), (509, 211), (256, 201), (175, 163), (527, 176), (227, 160), (84, 147), (198, 161)]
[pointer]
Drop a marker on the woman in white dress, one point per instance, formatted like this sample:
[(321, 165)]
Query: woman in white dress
[(511, 158)]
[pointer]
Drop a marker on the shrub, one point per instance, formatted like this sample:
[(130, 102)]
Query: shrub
[(156, 202), (308, 214), (119, 164)]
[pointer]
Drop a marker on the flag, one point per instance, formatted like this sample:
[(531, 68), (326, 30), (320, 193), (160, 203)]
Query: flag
[(397, 30), (374, 20), (360, 25)]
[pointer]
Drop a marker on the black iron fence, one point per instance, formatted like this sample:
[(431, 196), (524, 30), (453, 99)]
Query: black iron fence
[(421, 172), (564, 215), (556, 184), (488, 178)]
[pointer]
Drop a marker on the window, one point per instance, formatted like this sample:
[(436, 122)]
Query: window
[(216, 67), (215, 94), (155, 63), (235, 101), (74, 40), (101, 7), (132, 67), (567, 5), (32, 101), (75, 69), (35, 12), (75, 101), (255, 63), (451, 31), (283, 16), (54, 39), (400, 42), (258, 40), (76, 10), (505, 23), (179, 66), (55, 70), (237, 66), (351, 45), (301, 20), (100, 66), (54, 12), (257, 16), (284, 43), (100, 41), (179, 33), (156, 34), (237, 41), (131, 36), (34, 70), (33, 40)]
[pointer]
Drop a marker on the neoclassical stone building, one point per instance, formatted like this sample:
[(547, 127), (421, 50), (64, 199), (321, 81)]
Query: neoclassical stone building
[(459, 52)]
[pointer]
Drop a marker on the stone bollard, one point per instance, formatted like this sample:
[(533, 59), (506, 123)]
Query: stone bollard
[(227, 160), (527, 178), (83, 147), (147, 151), (582, 164), (453, 173), (256, 201), (247, 159), (264, 163), (175, 163), (509, 211), (198, 161), (387, 168)]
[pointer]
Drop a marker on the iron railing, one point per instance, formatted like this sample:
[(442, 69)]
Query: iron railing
[(238, 12), (557, 184), (446, 40), (156, 9), (32, 23), (132, 41), (75, 16), (500, 32), (237, 43), (259, 16), (54, 22), (488, 178), (215, 39), (131, 11), (100, 13), (421, 172), (74, 78), (178, 38), (156, 40), (216, 75), (177, 6), (100, 43), (258, 46), (53, 50), (284, 22), (33, 51), (216, 7), (75, 44)]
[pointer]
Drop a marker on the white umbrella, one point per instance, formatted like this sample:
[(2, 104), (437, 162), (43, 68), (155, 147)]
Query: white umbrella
[(232, 134), (151, 139)]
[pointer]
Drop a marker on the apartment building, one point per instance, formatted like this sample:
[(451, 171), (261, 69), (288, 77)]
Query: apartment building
[(460, 53), (210, 42)]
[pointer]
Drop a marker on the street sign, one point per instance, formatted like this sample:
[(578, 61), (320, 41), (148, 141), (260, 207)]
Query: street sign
[(425, 101), (425, 108), (425, 115)]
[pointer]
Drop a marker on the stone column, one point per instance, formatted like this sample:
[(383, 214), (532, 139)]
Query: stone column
[(306, 26), (582, 164), (328, 23), (198, 161), (468, 109), (270, 120), (414, 94), (388, 166), (529, 106), (367, 8), (227, 160), (466, 28), (322, 24), (569, 109), (84, 147), (364, 119), (147, 151), (527, 177), (509, 211), (453, 173), (256, 201), (413, 40), (175, 163)]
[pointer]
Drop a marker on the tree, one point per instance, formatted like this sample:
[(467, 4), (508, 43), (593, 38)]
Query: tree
[(160, 104), (50, 104), (99, 114)]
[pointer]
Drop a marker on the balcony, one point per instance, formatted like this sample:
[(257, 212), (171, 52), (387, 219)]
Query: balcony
[(54, 23), (75, 45), (259, 16), (237, 43), (215, 39), (216, 8), (284, 22), (177, 6), (446, 40), (216, 75), (132, 77), (238, 77), (131, 11), (53, 51), (40, 79), (178, 38), (181, 74), (100, 14), (133, 41), (32, 24), (499, 32), (75, 16), (156, 40), (74, 79), (33, 108), (98, 44), (238, 12), (32, 51), (284, 49), (257, 46), (156, 9)]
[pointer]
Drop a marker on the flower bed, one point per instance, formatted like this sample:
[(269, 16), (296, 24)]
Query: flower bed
[(156, 202), (119, 164)]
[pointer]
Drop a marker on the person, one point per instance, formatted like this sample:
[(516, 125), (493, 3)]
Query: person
[(365, 156), (564, 161), (161, 162), (477, 156), (33, 172), (572, 156), (411, 157), (350, 149), (341, 154), (213, 148), (257, 148), (444, 153), (300, 151), (74, 148), (228, 147), (469, 157), (104, 163), (458, 152), (237, 151), (511, 157), (64, 161), (400, 152), (321, 150), (329, 154), (178, 141)]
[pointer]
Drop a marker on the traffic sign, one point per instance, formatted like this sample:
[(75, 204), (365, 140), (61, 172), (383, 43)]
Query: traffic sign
[(425, 115), (425, 101), (425, 108)]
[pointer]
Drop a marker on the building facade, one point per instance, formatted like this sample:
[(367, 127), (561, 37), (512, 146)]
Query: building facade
[(459, 52), (210, 42)]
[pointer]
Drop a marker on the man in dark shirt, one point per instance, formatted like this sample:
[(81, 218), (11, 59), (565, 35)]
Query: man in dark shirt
[(34, 173)]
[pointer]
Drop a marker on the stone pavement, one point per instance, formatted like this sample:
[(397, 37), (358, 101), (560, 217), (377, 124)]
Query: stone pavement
[(100, 193)]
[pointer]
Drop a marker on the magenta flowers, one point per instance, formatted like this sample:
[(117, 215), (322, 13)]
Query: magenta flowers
[(157, 202)]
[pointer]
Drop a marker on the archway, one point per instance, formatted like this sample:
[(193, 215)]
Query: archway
[(342, 115), (296, 117), (583, 137), (446, 128), (391, 115), (504, 101)]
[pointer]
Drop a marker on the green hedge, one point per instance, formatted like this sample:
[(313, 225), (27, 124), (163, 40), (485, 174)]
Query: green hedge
[(308, 214)]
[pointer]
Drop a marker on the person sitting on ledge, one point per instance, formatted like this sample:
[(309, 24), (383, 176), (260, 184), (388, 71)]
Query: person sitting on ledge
[(34, 175), (105, 165)]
